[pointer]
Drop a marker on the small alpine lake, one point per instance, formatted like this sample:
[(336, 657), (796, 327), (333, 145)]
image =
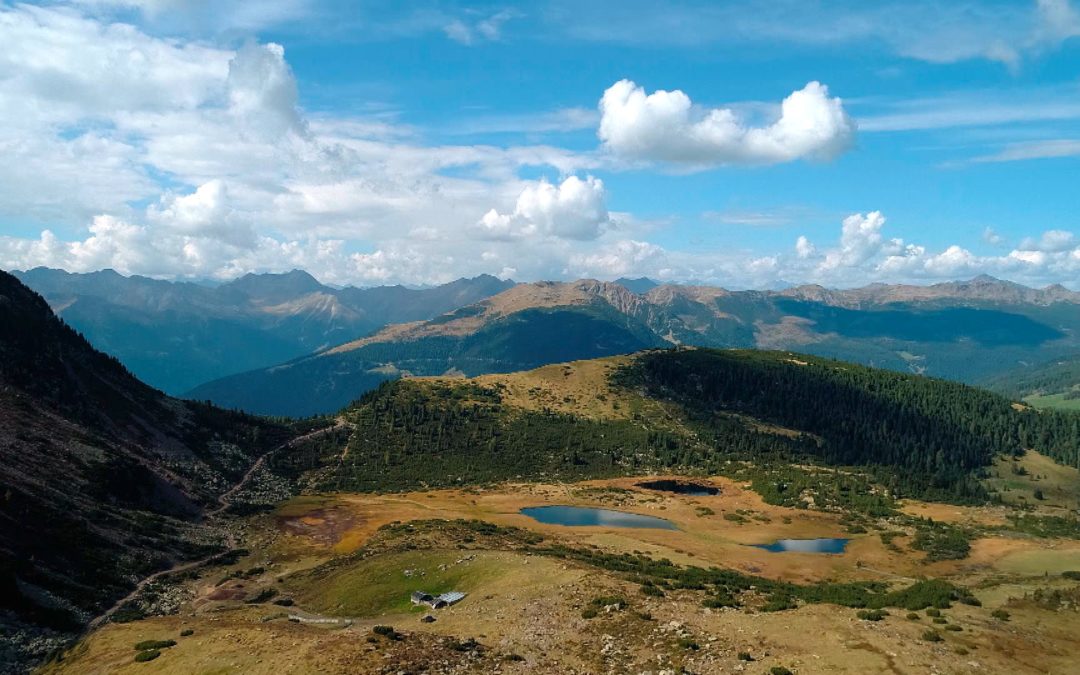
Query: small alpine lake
[(680, 487), (805, 546), (584, 516)]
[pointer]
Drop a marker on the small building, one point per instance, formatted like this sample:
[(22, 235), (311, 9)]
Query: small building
[(436, 601), (421, 598), (452, 597)]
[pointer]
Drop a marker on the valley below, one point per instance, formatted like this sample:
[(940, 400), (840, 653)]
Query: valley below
[(324, 572)]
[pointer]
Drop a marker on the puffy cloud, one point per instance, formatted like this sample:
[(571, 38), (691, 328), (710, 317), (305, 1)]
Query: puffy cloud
[(619, 259), (204, 213), (863, 254), (262, 91), (574, 209), (101, 118), (1051, 241), (665, 126), (861, 240), (803, 248)]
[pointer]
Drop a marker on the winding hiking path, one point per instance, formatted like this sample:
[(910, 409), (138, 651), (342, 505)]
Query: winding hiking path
[(223, 503)]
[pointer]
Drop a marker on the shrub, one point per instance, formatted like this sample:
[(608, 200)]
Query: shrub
[(954, 628), (148, 655), (932, 636), (933, 612), (284, 602), (942, 542), (387, 632), (745, 656), (720, 600), (589, 613), (652, 591), (1071, 574), (466, 645), (1000, 614), (871, 614), (687, 643), (147, 645), (940, 619), (617, 601), (780, 670), (262, 596), (186, 632), (922, 594), (912, 616), (778, 602)]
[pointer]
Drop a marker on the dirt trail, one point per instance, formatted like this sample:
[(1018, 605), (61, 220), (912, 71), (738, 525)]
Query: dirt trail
[(223, 504)]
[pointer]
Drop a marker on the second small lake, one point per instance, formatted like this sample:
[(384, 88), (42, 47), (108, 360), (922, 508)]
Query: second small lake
[(681, 487), (805, 546), (582, 516)]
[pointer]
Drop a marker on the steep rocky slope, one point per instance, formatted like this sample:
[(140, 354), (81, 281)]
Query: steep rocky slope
[(103, 478)]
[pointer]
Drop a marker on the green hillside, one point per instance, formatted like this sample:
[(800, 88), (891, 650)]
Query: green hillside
[(695, 411), (328, 381), (966, 332), (1054, 384)]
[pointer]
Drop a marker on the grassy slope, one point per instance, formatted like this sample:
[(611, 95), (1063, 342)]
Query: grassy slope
[(1061, 401), (649, 412)]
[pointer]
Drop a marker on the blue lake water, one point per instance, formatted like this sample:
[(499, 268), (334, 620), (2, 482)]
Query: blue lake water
[(805, 546), (580, 516)]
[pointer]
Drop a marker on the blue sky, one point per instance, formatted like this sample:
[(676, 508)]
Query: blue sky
[(385, 142)]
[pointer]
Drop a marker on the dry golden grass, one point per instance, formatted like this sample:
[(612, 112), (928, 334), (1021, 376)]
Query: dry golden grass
[(531, 606), (1060, 485)]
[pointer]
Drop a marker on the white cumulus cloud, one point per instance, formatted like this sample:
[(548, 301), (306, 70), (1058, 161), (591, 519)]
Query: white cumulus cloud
[(574, 209), (665, 126)]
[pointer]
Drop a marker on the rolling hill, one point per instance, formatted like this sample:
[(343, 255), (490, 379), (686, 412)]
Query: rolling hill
[(965, 331), (176, 335), (751, 414), (104, 479)]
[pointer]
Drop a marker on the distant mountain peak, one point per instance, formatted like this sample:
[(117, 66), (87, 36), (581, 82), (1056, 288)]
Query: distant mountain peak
[(273, 286), (640, 285)]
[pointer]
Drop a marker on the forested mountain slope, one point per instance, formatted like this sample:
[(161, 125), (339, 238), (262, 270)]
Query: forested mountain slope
[(175, 335), (696, 410), (1054, 384), (103, 478), (965, 331), (522, 328)]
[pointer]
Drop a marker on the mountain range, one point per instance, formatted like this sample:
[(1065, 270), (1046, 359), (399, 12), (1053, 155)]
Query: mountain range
[(177, 335), (968, 331)]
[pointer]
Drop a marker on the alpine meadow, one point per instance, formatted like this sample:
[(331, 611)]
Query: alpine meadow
[(458, 336)]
